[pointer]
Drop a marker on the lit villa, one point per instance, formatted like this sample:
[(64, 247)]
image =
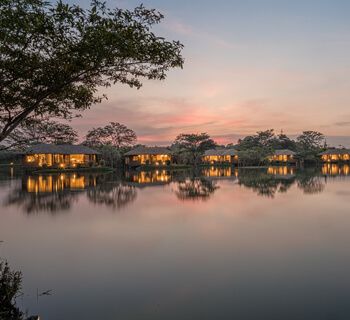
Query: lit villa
[(220, 156), (335, 155), (50, 155), (148, 156), (284, 155)]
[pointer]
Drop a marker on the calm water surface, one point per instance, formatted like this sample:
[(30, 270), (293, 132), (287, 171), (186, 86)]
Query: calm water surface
[(217, 244)]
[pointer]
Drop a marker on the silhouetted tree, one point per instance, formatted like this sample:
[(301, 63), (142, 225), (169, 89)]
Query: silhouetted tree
[(309, 145), (190, 147), (54, 57), (10, 287), (39, 131), (114, 134), (282, 141)]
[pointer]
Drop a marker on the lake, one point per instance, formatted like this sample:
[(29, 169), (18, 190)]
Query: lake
[(216, 243)]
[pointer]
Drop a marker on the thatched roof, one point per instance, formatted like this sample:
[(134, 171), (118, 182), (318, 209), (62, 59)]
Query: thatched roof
[(220, 152), (44, 148), (148, 150), (335, 151), (284, 152)]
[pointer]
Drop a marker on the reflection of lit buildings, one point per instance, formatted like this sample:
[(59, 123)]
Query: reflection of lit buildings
[(49, 155), (283, 156), (158, 156), (335, 155), (223, 156), (281, 171), (219, 172), (149, 177), (57, 183), (335, 170)]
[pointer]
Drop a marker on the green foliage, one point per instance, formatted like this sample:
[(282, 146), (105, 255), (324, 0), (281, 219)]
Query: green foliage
[(266, 140), (309, 145), (188, 148), (255, 156), (311, 140), (10, 286), (254, 150), (54, 57), (110, 155)]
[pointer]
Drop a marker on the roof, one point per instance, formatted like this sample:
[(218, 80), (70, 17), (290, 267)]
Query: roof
[(335, 151), (284, 152), (44, 148), (148, 150), (220, 152)]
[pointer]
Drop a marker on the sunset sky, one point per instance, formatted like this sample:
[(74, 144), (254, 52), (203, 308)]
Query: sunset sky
[(249, 65)]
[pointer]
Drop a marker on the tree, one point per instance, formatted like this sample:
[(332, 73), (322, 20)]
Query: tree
[(262, 139), (54, 58), (253, 157), (193, 145), (114, 134), (309, 145), (10, 286), (39, 131), (311, 140), (111, 156), (284, 142)]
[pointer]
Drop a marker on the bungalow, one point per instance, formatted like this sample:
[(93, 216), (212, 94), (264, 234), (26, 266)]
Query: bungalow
[(220, 156), (50, 155), (335, 155), (148, 156), (283, 155)]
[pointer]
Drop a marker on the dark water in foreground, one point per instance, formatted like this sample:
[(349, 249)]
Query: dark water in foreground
[(217, 244)]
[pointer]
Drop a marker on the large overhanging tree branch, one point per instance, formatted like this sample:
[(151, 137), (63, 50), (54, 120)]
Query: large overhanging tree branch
[(53, 58), (39, 131)]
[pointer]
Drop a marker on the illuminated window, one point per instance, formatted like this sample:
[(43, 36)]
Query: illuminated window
[(75, 159)]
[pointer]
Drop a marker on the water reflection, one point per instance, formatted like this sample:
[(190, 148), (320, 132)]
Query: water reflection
[(220, 172), (335, 170), (58, 192), (195, 189), (35, 202), (266, 182), (112, 192), (285, 171), (146, 178), (57, 183)]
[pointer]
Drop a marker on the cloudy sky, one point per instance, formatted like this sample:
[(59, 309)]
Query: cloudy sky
[(249, 65)]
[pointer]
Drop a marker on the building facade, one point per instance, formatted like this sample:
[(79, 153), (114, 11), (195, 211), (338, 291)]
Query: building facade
[(283, 156), (220, 156), (142, 156), (336, 155), (59, 156)]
